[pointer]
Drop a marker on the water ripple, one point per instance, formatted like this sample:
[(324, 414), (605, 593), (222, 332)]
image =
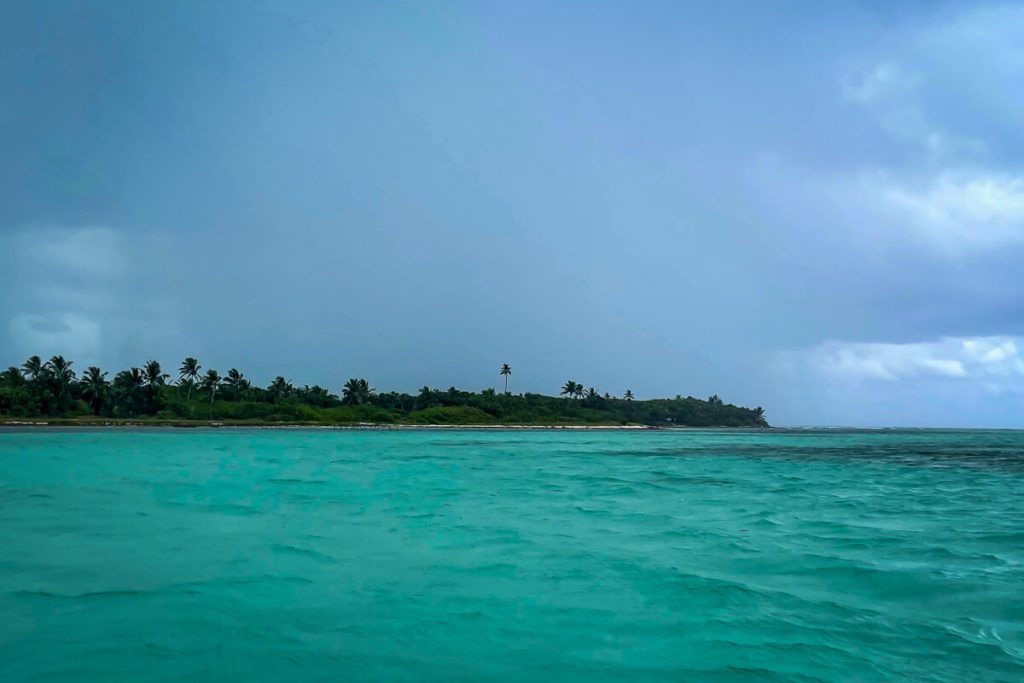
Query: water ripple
[(657, 555)]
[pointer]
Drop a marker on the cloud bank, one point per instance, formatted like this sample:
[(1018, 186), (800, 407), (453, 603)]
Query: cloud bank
[(818, 210)]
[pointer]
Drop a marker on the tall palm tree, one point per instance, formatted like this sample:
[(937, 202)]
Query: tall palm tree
[(506, 370), (211, 383), (189, 373), (592, 393), (33, 368), (94, 388), (628, 395), (62, 374)]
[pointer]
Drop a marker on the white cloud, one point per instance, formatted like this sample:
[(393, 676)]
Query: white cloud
[(878, 83), (944, 367), (987, 207), (949, 97), (953, 212), (892, 94), (994, 361), (896, 97)]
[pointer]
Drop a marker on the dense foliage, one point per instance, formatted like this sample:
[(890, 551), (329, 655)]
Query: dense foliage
[(53, 389)]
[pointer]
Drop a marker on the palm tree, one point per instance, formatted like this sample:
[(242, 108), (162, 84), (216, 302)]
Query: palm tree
[(572, 389), (189, 373), (350, 392), (628, 395), (592, 393), (33, 368), (153, 374), (153, 377), (94, 388), (356, 391), (714, 400), (280, 388), (425, 396), (128, 385), (210, 384), (315, 395), (12, 377), (236, 382), (62, 374), (320, 395), (506, 370)]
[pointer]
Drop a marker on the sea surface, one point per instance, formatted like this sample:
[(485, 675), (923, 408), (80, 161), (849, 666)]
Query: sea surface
[(317, 555)]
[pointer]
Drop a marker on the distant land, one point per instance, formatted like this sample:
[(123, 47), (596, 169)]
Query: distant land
[(51, 392)]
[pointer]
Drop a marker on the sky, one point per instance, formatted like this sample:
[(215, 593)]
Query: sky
[(813, 207)]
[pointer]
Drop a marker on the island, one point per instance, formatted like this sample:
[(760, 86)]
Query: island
[(52, 393)]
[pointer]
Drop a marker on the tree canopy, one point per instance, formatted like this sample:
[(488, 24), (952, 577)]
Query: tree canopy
[(51, 389)]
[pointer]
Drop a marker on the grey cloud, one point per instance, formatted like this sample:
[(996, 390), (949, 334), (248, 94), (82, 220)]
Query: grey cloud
[(669, 198)]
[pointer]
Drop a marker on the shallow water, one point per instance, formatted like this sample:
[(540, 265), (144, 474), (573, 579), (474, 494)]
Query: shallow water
[(534, 556)]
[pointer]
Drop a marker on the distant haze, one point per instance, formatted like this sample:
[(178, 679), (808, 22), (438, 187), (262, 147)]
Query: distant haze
[(814, 207)]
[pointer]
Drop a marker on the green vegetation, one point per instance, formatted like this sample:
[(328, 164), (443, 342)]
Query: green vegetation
[(51, 390)]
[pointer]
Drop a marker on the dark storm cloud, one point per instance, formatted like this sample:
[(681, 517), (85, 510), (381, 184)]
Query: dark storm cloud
[(770, 204)]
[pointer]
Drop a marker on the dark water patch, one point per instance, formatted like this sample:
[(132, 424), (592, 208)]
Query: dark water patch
[(287, 549), (695, 479), (78, 596), (303, 482), (237, 509), (262, 579)]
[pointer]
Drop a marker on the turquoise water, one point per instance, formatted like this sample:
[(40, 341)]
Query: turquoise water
[(511, 556)]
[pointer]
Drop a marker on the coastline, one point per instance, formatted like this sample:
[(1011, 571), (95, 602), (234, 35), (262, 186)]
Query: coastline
[(233, 424), (360, 426)]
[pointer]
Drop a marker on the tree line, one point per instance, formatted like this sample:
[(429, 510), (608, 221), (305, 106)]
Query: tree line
[(53, 389)]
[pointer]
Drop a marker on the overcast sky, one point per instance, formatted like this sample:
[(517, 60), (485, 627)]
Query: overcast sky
[(814, 207)]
